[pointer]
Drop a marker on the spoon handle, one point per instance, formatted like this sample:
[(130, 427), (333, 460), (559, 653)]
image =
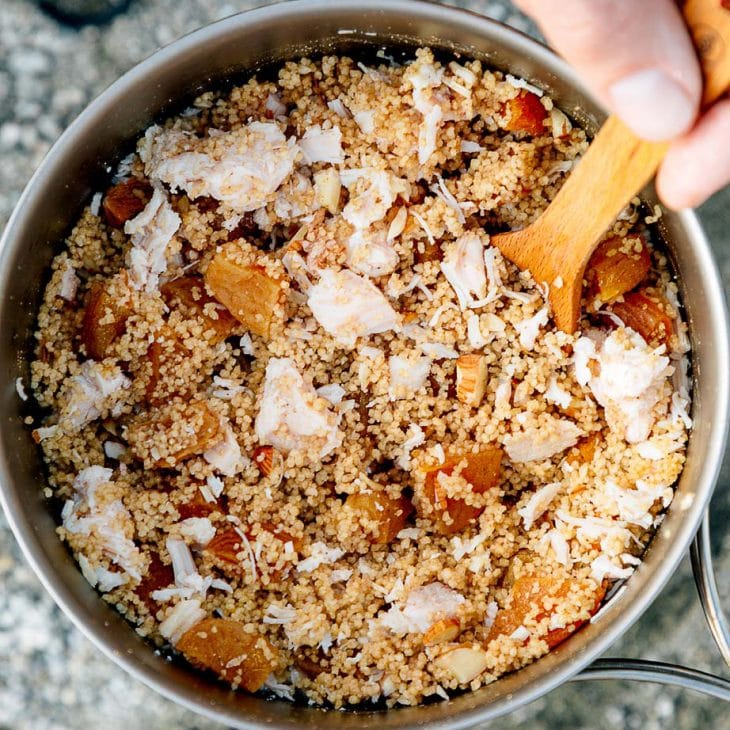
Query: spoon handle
[(618, 164), (709, 23)]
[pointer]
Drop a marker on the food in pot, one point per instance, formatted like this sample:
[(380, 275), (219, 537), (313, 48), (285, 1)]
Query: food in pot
[(310, 430)]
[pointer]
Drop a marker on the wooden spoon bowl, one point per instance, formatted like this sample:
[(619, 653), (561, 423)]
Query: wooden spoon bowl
[(556, 248)]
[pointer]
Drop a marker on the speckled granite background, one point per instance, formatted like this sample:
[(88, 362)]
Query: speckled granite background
[(51, 677)]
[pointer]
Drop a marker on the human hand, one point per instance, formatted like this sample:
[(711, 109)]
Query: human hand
[(639, 59)]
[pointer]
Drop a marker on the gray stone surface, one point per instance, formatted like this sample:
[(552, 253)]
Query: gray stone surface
[(51, 678)]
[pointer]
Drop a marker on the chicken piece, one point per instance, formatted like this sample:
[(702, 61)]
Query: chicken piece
[(173, 433), (292, 417), (645, 315), (390, 514), (151, 232), (464, 268), (125, 200), (422, 609), (189, 293), (243, 167), (525, 113), (481, 471), (616, 267), (247, 291), (349, 306), (534, 588), (225, 647), (626, 376), (98, 389), (104, 321)]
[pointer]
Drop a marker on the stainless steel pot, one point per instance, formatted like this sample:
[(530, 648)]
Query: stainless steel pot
[(78, 164)]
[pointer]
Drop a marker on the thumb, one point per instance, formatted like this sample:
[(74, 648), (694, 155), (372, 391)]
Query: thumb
[(637, 56)]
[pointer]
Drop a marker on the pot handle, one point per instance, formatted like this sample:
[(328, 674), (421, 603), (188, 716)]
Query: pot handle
[(673, 674)]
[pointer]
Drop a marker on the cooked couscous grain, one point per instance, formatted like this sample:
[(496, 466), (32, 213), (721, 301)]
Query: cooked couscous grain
[(311, 429)]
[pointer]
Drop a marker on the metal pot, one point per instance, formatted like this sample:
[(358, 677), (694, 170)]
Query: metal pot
[(78, 164)]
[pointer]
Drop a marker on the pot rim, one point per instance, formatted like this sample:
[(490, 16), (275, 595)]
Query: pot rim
[(65, 597)]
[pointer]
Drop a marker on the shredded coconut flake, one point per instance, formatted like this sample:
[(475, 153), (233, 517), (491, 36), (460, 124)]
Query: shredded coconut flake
[(538, 503), (320, 554), (522, 84)]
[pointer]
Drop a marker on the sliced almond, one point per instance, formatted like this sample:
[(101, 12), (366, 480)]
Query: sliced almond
[(443, 631), (327, 189), (464, 662), (266, 459), (471, 378)]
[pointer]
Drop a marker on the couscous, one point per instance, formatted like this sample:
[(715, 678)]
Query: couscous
[(309, 428)]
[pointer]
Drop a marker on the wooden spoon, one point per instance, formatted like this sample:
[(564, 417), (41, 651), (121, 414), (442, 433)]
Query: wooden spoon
[(556, 248)]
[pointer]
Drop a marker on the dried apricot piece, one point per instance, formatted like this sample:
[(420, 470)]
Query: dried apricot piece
[(124, 201), (481, 471), (390, 514), (225, 647), (617, 266), (645, 315), (158, 576), (585, 449), (532, 589), (104, 320), (173, 433), (248, 291), (189, 292), (525, 113)]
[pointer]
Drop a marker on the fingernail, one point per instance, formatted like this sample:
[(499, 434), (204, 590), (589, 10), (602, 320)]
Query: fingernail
[(653, 104)]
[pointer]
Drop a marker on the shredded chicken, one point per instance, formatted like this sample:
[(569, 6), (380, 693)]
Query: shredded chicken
[(627, 377), (372, 193), (541, 443), (91, 393), (242, 168), (292, 416), (422, 608), (463, 267), (151, 232), (349, 306), (103, 520)]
